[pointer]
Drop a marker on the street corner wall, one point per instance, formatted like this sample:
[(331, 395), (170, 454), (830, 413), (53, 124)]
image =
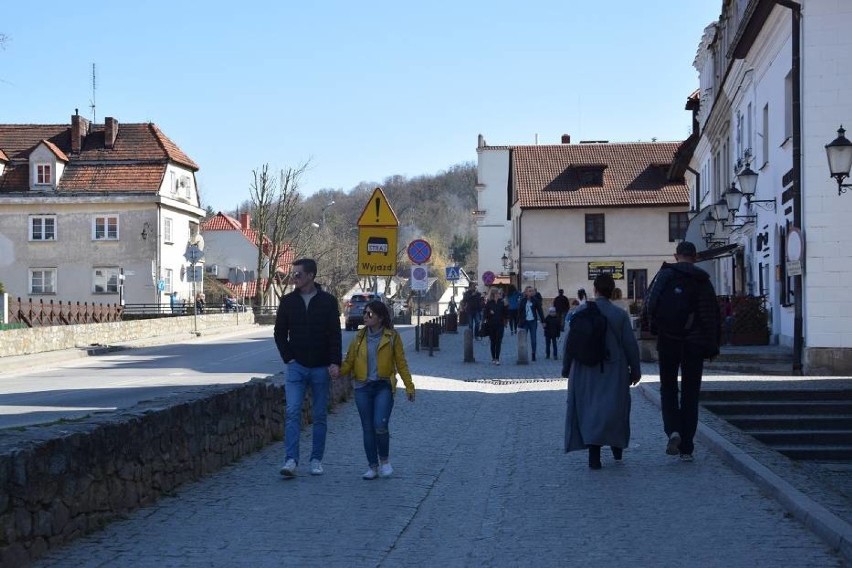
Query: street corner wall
[(828, 361), (61, 481), (28, 341)]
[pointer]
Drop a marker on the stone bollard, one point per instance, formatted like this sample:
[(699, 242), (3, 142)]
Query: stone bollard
[(468, 346), (523, 347)]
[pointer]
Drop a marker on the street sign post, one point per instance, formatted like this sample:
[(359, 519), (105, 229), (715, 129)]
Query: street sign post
[(419, 251), (377, 237), (377, 251)]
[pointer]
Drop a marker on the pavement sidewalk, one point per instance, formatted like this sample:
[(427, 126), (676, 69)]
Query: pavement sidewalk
[(480, 480)]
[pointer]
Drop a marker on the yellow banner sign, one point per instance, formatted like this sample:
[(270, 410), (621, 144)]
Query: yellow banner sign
[(614, 267), (377, 251)]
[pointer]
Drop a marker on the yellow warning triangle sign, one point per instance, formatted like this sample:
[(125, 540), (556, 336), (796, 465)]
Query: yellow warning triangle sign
[(378, 212)]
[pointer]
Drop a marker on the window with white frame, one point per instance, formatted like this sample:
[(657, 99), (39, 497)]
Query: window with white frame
[(105, 280), (105, 228), (168, 236), (168, 278), (44, 174), (43, 227), (42, 281)]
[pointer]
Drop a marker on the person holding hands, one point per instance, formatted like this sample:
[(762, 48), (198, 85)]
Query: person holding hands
[(373, 359)]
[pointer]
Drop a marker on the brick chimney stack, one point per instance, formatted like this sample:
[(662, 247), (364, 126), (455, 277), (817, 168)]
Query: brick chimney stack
[(566, 138), (245, 220), (110, 131), (79, 130)]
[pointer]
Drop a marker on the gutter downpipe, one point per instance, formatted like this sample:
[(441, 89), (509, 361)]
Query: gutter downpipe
[(798, 327)]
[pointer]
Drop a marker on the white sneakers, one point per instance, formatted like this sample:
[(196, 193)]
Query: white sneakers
[(673, 445), (289, 469), (384, 470)]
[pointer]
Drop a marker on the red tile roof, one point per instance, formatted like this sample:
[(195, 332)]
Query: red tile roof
[(137, 161), (222, 222), (56, 151), (634, 174)]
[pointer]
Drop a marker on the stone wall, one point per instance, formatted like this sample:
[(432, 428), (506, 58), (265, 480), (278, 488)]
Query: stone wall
[(61, 481), (41, 339)]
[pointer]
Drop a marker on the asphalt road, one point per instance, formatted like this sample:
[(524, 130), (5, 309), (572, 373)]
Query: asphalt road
[(122, 378)]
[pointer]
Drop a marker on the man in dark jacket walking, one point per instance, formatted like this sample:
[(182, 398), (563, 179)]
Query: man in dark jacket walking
[(682, 311), (307, 333), (562, 305)]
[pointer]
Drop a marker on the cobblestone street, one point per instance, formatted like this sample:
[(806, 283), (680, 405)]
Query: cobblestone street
[(480, 480)]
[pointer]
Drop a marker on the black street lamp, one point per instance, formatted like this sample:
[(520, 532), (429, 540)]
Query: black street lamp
[(839, 152)]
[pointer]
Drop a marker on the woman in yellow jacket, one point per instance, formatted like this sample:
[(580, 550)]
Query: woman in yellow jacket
[(373, 359)]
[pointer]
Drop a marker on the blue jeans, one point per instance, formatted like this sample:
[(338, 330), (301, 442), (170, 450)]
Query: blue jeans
[(299, 378), (531, 326), (375, 404), (474, 321)]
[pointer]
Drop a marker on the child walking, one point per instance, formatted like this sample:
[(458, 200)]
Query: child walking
[(552, 330)]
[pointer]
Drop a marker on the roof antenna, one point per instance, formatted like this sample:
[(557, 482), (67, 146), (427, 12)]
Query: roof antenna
[(92, 105)]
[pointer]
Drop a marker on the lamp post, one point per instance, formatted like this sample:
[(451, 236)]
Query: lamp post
[(839, 153), (194, 254), (327, 205)]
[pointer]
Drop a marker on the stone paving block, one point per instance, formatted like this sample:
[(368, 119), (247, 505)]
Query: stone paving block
[(480, 480)]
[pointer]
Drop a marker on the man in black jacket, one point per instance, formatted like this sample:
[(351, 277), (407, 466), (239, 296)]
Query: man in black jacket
[(682, 310), (307, 333)]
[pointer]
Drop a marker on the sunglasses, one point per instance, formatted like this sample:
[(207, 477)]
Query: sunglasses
[(368, 314)]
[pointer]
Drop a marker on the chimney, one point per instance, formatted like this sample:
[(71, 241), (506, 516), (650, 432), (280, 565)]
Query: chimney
[(566, 138), (110, 131), (79, 130), (245, 220)]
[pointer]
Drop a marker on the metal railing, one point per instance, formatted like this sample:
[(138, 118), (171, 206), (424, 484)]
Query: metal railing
[(42, 314)]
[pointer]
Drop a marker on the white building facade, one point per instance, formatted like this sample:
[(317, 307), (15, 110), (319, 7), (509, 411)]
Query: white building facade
[(748, 118), (562, 214), (95, 213)]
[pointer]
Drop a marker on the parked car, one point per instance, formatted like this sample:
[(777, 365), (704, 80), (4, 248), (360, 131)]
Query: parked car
[(353, 311)]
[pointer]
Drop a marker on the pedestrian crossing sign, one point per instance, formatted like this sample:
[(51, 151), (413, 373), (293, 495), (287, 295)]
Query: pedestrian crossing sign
[(452, 273)]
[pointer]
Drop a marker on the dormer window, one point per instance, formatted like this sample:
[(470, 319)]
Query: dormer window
[(44, 174), (590, 177)]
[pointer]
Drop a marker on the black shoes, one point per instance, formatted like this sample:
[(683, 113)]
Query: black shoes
[(595, 457), (617, 453)]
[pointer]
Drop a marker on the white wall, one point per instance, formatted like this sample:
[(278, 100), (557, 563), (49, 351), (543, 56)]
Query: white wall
[(493, 230), (554, 236), (826, 102)]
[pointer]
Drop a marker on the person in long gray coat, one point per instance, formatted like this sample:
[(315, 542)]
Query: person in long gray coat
[(599, 396)]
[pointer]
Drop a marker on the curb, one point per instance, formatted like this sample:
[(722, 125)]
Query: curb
[(822, 522)]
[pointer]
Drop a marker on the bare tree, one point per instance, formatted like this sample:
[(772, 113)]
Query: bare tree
[(276, 205), (334, 246)]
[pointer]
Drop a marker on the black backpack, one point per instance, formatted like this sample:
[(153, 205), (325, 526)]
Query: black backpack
[(586, 340), (677, 306)]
